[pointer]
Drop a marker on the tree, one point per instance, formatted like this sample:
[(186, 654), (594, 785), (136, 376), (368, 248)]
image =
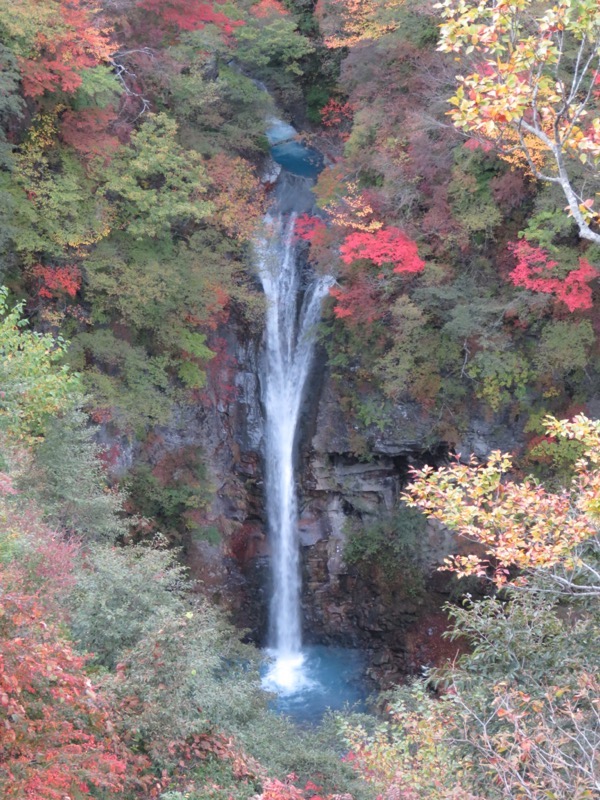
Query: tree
[(239, 197), (187, 676), (409, 755), (58, 213), (189, 15), (35, 386), (525, 698), (346, 22), (522, 525), (385, 246), (117, 594), (271, 42), (68, 481), (535, 270), (517, 713), (532, 88), (156, 183), (55, 739), (54, 40)]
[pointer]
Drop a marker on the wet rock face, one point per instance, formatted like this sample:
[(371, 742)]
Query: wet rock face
[(223, 427), (342, 604), (368, 605)]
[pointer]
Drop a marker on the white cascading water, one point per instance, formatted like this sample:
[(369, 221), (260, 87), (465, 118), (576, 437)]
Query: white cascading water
[(293, 311)]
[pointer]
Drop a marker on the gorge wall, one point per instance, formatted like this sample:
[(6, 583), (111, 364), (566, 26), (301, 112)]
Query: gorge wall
[(391, 610), (363, 605)]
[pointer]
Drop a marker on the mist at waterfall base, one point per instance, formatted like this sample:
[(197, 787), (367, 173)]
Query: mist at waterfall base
[(317, 679), (305, 680)]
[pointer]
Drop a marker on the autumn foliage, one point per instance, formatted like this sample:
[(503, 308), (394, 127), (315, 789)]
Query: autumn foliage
[(347, 22), (268, 8), (56, 738), (274, 789), (518, 525), (58, 39), (56, 281), (358, 300), (527, 86), (535, 270), (386, 246), (189, 15), (87, 131), (239, 197)]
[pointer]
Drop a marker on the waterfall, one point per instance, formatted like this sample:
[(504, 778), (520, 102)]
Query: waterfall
[(308, 679), (293, 311)]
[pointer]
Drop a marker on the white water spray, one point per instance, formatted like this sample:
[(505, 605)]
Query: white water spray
[(293, 311)]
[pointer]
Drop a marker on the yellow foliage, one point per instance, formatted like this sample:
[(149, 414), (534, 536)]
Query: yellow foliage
[(347, 22)]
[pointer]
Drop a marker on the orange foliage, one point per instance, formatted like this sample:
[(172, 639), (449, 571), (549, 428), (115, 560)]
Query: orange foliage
[(240, 199), (336, 114), (386, 246), (68, 43), (286, 790), (86, 131), (358, 301), (56, 739), (355, 210), (56, 281), (268, 8), (189, 15), (347, 22), (519, 525)]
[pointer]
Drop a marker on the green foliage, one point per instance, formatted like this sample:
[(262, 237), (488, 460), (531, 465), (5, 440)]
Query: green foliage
[(123, 379), (564, 347), (312, 753), (156, 184), (99, 88), (121, 592), (68, 481), (215, 779), (549, 458), (409, 752), (502, 376), (187, 676), (151, 285), (128, 280), (11, 104), (528, 658), (470, 193), (167, 501), (56, 208), (525, 639), (35, 384), (544, 227), (316, 97), (414, 26), (266, 46), (194, 346), (391, 544), (225, 112)]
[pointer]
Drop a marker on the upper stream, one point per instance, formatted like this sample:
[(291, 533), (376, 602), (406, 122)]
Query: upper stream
[(292, 154)]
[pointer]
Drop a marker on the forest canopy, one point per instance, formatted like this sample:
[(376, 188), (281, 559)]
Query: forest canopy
[(458, 217)]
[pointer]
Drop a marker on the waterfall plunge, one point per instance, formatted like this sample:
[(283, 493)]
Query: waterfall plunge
[(293, 311)]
